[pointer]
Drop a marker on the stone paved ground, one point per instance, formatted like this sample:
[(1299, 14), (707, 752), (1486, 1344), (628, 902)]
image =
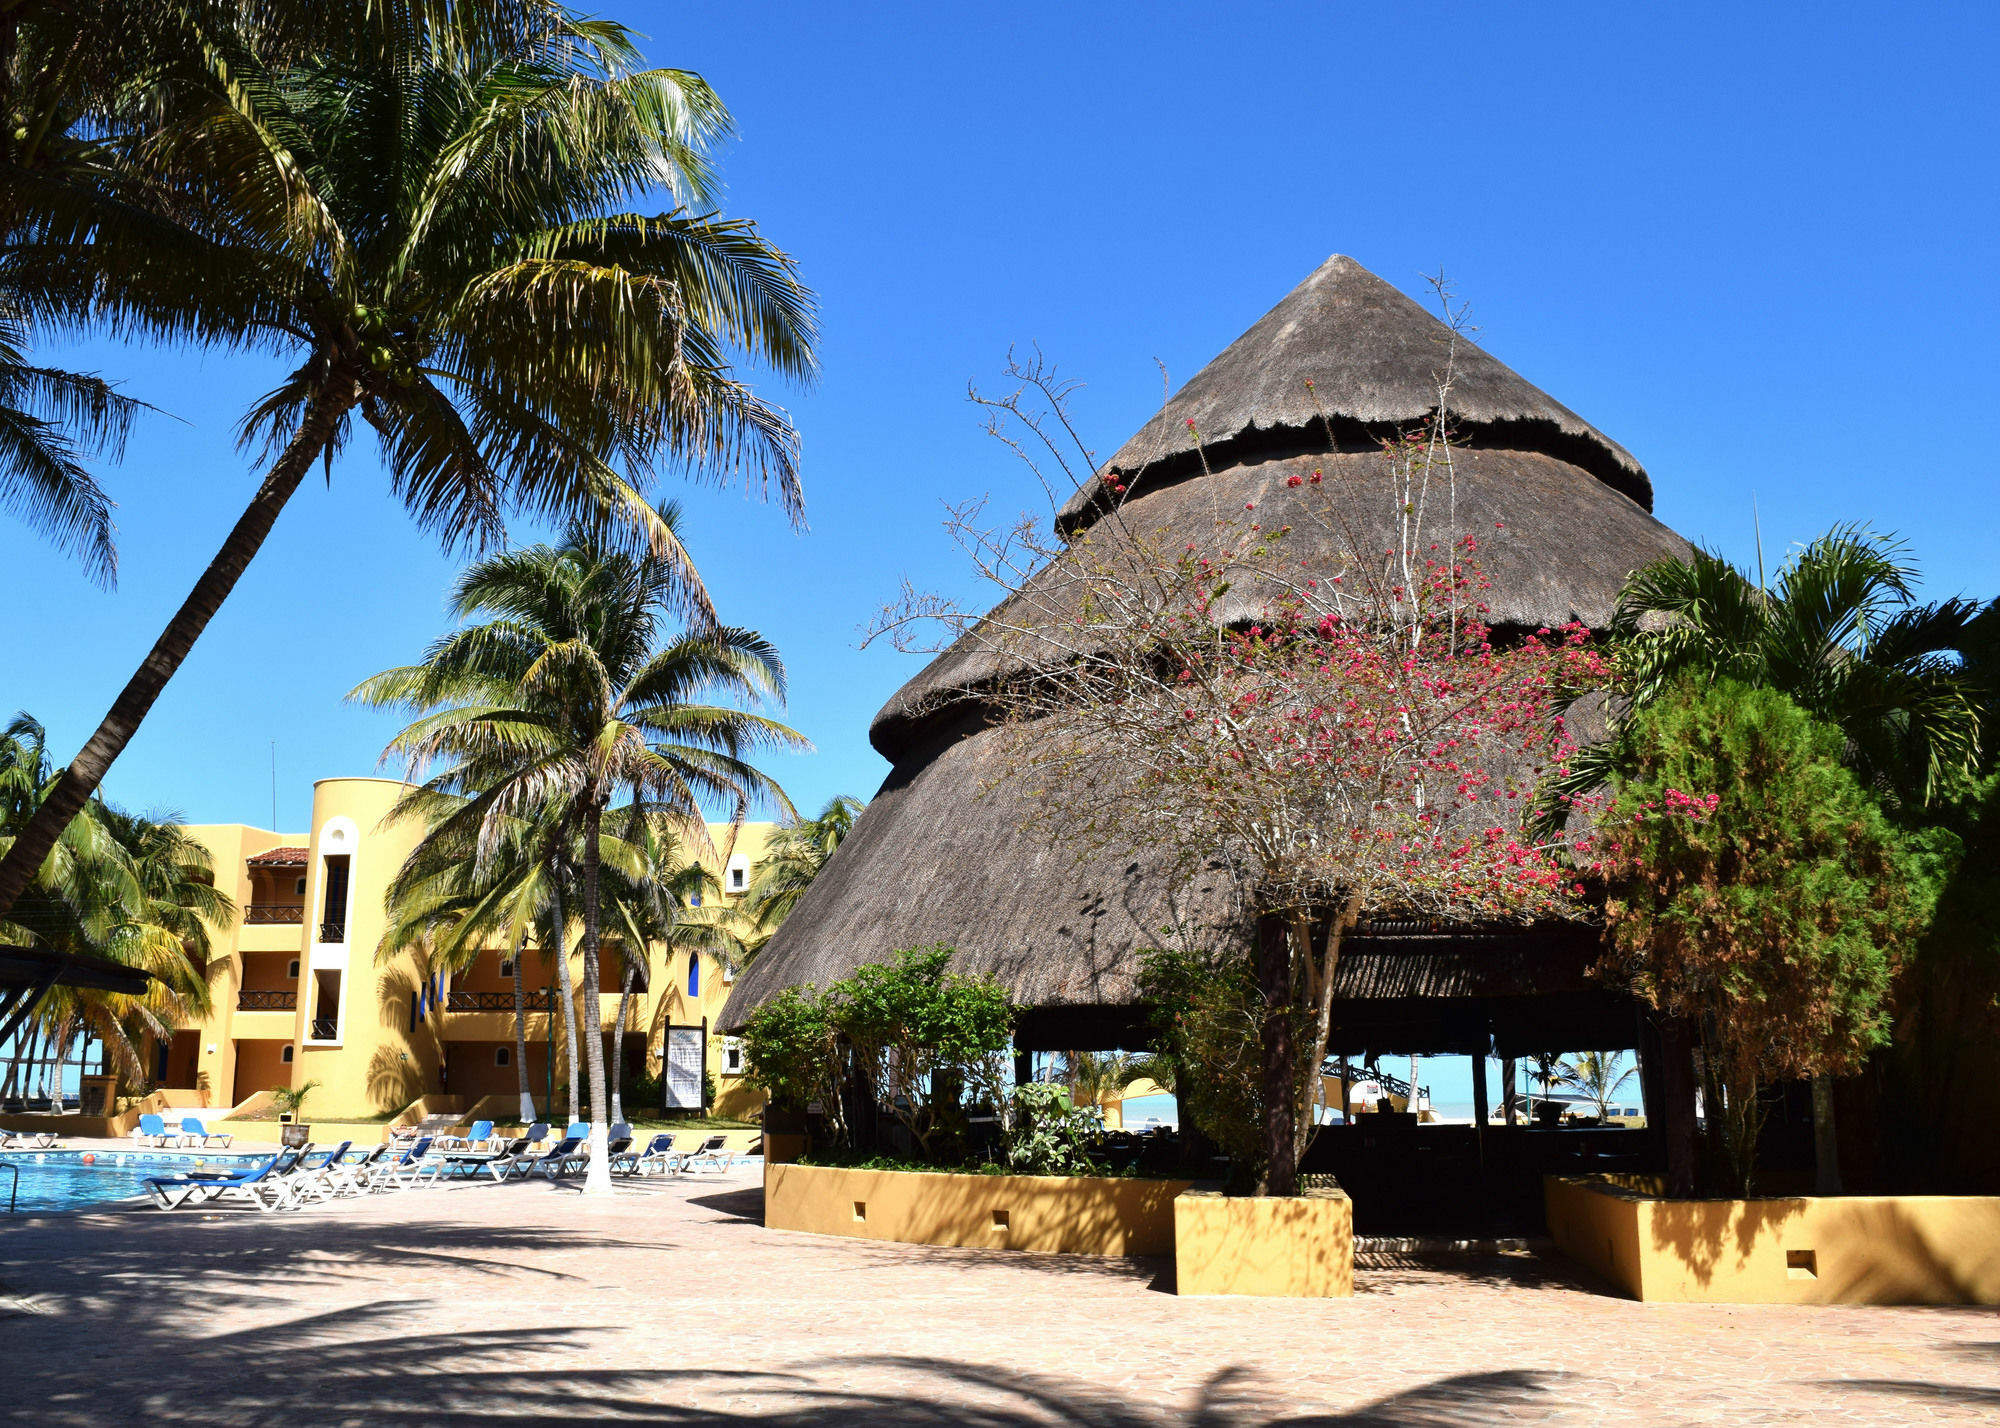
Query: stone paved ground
[(672, 1304)]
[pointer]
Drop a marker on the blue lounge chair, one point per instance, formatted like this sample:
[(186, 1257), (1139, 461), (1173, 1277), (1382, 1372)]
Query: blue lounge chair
[(410, 1169), (480, 1134), (578, 1130), (658, 1155), (170, 1192), (321, 1181), (151, 1130), (556, 1161), (192, 1130)]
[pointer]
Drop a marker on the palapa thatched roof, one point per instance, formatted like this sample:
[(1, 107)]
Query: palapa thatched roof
[(1563, 512)]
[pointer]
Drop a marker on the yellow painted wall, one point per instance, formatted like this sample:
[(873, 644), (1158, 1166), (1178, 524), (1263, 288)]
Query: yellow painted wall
[(1299, 1247), (1848, 1249), (1050, 1213)]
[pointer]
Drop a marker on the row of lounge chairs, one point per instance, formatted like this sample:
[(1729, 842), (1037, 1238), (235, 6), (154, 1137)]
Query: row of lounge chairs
[(152, 1130), (293, 1179)]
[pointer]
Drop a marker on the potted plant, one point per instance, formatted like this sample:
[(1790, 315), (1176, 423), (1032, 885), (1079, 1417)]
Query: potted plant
[(290, 1101)]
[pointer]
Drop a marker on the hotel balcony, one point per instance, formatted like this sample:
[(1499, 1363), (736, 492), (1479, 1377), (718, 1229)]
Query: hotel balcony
[(270, 927), (254, 1000)]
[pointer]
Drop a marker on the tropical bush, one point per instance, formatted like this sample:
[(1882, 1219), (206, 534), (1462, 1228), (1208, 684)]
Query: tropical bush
[(1049, 1136), (1209, 1016), (919, 1040), (1758, 890)]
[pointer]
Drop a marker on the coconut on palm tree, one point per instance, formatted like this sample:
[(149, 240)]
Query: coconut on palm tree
[(578, 692), (426, 210)]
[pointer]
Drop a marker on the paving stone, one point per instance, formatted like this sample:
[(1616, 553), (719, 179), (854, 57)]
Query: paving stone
[(671, 1304)]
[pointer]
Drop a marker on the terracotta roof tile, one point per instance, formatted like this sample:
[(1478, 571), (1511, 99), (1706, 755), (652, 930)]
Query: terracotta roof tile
[(280, 858)]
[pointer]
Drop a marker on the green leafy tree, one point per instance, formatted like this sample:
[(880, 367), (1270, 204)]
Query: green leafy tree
[(1758, 890), (922, 1035), (793, 1050), (575, 693), (1838, 630), (425, 212)]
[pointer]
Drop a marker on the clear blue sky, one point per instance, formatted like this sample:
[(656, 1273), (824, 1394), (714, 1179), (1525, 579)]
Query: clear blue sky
[(1754, 244)]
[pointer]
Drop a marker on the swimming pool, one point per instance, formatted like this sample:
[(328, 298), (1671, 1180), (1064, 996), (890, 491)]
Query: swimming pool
[(62, 1180)]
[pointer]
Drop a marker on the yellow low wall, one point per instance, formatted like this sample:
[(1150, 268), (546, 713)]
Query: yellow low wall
[(1846, 1249), (1063, 1214), (1299, 1247)]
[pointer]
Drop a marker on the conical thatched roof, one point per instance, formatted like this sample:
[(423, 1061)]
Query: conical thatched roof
[(1374, 357), (1564, 513)]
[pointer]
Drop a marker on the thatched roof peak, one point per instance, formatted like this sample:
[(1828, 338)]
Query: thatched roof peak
[(1373, 355)]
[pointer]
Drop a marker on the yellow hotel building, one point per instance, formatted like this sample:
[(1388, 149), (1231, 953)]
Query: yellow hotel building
[(299, 994)]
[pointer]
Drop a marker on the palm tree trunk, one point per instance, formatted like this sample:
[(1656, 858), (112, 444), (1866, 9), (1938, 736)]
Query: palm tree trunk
[(568, 997), (80, 780), (597, 1178), (618, 1038), (521, 1034), (1826, 1146)]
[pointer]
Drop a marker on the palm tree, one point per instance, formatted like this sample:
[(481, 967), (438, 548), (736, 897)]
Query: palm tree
[(1600, 1075), (668, 903), (793, 857), (1838, 631), (424, 211), (571, 696), (1099, 1076), (116, 886)]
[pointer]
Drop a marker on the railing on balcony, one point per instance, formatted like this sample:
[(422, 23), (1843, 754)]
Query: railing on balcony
[(333, 932), (494, 1001), (325, 1029), (248, 1000), (270, 914)]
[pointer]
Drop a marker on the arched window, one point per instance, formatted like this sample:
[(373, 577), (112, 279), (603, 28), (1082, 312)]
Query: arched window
[(285, 1055), (694, 974), (503, 1056)]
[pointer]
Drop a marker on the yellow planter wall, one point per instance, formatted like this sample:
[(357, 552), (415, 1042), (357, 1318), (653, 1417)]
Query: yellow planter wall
[(1068, 1215), (1848, 1249), (1295, 1248)]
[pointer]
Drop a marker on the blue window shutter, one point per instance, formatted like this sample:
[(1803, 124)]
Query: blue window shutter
[(694, 974)]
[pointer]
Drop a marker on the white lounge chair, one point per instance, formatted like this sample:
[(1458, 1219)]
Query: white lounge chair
[(713, 1154)]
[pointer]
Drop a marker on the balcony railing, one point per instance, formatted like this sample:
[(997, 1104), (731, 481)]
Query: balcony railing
[(248, 1000), (325, 1029), (272, 914), (333, 932), (494, 1001)]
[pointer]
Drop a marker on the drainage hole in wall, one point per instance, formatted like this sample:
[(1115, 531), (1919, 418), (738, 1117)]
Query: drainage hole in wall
[(860, 1210), (999, 1219), (1801, 1264)]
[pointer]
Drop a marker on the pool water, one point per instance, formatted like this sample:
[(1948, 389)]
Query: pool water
[(60, 1180)]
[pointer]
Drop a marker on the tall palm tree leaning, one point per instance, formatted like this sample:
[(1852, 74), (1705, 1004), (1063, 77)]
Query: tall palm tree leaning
[(431, 226), (1839, 632), (573, 695)]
